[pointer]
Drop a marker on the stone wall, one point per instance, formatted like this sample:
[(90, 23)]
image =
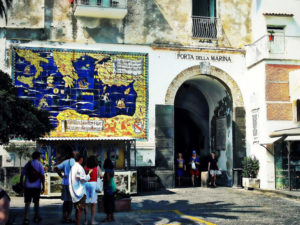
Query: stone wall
[(149, 22)]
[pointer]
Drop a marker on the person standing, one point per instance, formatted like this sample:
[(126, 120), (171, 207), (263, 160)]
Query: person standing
[(67, 206), (91, 194), (109, 186), (4, 206), (34, 186), (181, 167), (77, 180), (213, 168), (194, 163)]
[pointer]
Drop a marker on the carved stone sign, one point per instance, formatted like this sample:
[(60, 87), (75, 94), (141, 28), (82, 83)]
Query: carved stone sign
[(221, 133), (204, 57)]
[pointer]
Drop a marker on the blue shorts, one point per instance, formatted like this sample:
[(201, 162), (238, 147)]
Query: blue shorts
[(91, 194)]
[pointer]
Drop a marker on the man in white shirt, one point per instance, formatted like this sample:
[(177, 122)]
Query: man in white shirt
[(66, 166), (77, 180)]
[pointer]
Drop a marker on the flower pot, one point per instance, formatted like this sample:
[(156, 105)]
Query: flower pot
[(250, 183), (271, 37), (121, 205)]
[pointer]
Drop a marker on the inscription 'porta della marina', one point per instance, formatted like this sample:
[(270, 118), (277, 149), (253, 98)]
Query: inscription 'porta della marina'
[(217, 58)]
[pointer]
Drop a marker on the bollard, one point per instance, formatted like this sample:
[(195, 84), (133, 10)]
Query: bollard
[(237, 177), (204, 179)]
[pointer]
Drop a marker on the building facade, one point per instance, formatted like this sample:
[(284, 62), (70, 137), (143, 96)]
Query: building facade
[(272, 62), (175, 77)]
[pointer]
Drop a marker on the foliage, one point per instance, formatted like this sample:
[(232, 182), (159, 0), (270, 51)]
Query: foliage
[(23, 151), (121, 195), (15, 179), (18, 116), (4, 5), (250, 166)]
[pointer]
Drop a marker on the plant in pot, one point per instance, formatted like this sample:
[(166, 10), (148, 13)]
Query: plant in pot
[(271, 36), (250, 170), (122, 202)]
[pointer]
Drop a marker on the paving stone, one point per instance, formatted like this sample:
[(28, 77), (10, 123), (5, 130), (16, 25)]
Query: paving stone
[(188, 206)]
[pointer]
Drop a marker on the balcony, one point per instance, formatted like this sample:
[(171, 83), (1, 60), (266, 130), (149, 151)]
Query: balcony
[(206, 27), (276, 47), (111, 9)]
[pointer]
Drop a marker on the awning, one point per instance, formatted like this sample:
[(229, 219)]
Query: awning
[(268, 140), (86, 139), (286, 132), (292, 138)]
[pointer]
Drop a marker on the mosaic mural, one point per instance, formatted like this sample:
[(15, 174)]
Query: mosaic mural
[(88, 93)]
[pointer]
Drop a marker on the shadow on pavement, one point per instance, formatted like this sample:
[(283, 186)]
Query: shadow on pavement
[(206, 210)]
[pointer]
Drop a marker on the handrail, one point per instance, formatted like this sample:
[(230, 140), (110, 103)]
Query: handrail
[(206, 27), (103, 3)]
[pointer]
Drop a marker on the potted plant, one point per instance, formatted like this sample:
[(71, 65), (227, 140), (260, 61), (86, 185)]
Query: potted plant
[(271, 36), (250, 170), (122, 202)]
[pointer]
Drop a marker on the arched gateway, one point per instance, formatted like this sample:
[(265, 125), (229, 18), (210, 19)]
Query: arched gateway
[(204, 110)]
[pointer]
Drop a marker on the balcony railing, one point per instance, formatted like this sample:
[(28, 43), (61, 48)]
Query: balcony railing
[(122, 4), (113, 9), (276, 47), (206, 27)]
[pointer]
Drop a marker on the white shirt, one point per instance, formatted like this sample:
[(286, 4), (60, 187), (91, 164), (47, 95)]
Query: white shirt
[(77, 180)]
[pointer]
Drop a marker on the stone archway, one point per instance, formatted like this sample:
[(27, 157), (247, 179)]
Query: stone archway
[(238, 114)]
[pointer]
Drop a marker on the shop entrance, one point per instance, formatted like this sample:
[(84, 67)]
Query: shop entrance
[(203, 122)]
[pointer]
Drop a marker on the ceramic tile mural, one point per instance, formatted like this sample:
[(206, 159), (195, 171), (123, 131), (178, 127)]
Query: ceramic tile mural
[(88, 93)]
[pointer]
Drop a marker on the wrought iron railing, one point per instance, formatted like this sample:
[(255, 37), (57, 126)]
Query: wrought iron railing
[(206, 27), (104, 3)]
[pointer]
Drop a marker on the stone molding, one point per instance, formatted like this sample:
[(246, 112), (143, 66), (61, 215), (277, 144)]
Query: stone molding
[(211, 71)]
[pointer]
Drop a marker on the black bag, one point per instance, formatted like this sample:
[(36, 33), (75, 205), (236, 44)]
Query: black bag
[(18, 188), (32, 174)]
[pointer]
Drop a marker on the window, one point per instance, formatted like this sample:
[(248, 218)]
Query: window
[(204, 19), (255, 125), (204, 8), (276, 39)]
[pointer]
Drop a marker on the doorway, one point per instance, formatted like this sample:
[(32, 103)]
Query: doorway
[(203, 122)]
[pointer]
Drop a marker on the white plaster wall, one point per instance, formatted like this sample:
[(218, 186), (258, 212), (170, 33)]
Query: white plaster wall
[(7, 160), (257, 81), (260, 22), (294, 88)]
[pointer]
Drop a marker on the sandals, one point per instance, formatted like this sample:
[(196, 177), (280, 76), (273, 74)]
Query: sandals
[(68, 220), (37, 219), (26, 222)]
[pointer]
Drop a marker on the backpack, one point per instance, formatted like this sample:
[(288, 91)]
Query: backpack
[(32, 174)]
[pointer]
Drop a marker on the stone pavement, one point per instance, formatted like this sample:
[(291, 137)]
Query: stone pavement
[(189, 206)]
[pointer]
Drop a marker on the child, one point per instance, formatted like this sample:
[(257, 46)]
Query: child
[(181, 167)]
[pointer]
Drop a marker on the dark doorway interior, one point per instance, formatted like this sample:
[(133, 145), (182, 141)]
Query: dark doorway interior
[(295, 165), (191, 127)]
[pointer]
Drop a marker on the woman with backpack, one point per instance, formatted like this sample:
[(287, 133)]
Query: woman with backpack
[(34, 186)]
